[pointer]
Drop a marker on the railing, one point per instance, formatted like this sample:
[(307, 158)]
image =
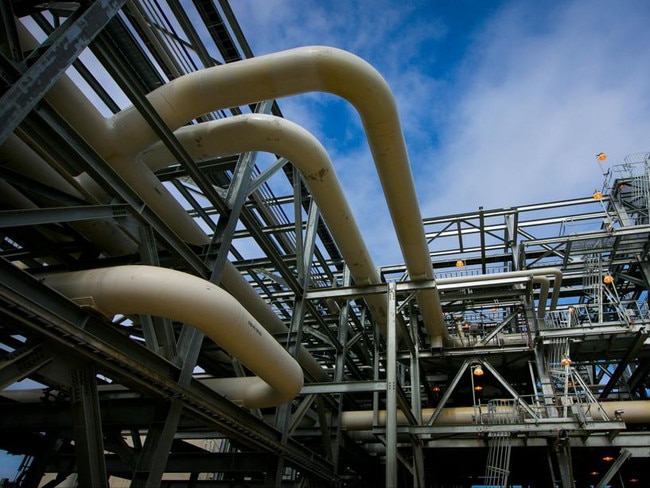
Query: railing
[(499, 411), (626, 313), (630, 184)]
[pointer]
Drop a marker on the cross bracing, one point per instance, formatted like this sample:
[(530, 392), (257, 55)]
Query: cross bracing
[(548, 300)]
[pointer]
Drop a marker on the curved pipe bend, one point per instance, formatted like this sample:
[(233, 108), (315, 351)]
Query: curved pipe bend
[(278, 75), (258, 132), (185, 298), (293, 72)]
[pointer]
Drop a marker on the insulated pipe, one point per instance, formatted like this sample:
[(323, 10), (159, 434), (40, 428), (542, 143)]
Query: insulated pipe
[(282, 74), (16, 155), (630, 411), (20, 157), (538, 275), (633, 412), (276, 75), (185, 298), (233, 281), (289, 73), (258, 132), (544, 286), (87, 120)]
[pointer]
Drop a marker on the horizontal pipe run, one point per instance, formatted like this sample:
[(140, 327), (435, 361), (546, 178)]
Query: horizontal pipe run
[(185, 298), (630, 412)]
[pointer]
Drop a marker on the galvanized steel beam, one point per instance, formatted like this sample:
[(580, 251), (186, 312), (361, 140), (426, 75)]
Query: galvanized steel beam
[(72, 38)]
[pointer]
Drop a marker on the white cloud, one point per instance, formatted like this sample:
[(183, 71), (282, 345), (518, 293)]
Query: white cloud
[(542, 99), (517, 120)]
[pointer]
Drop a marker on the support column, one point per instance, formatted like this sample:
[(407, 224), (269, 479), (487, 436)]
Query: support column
[(294, 339), (155, 453), (548, 391), (339, 374), (416, 401), (561, 455), (87, 431), (158, 331), (391, 388), (283, 412), (623, 456)]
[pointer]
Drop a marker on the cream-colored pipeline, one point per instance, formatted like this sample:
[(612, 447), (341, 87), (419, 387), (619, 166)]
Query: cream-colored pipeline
[(634, 412), (182, 297), (538, 275), (283, 74), (258, 132), (97, 131)]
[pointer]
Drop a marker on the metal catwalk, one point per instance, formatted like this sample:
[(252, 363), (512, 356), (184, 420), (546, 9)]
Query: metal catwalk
[(185, 298)]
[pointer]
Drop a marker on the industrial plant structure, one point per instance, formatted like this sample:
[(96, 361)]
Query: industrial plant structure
[(174, 313)]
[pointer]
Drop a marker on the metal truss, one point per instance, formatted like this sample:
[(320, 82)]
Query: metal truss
[(548, 300)]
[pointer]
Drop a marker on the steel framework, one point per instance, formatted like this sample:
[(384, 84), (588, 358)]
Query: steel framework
[(538, 374)]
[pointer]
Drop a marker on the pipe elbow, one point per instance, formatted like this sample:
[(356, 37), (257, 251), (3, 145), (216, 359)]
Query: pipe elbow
[(185, 298)]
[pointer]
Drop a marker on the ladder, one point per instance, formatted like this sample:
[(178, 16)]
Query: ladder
[(497, 467)]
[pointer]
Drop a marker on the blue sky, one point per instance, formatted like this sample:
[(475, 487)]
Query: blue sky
[(502, 103)]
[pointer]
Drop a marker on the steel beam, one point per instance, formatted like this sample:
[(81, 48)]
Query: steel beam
[(89, 444), (391, 387), (71, 39), (9, 34), (41, 216), (54, 135), (616, 465), (34, 307), (21, 363), (624, 363)]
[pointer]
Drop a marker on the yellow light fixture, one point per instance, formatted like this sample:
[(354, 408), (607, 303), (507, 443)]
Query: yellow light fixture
[(601, 157), (566, 362), (608, 459), (634, 480), (436, 388), (460, 263), (594, 473), (598, 195), (608, 279), (478, 371), (478, 388)]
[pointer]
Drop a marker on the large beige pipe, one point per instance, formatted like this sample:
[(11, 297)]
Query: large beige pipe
[(115, 242), (185, 298), (87, 120), (258, 132), (633, 412), (234, 282), (283, 74)]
